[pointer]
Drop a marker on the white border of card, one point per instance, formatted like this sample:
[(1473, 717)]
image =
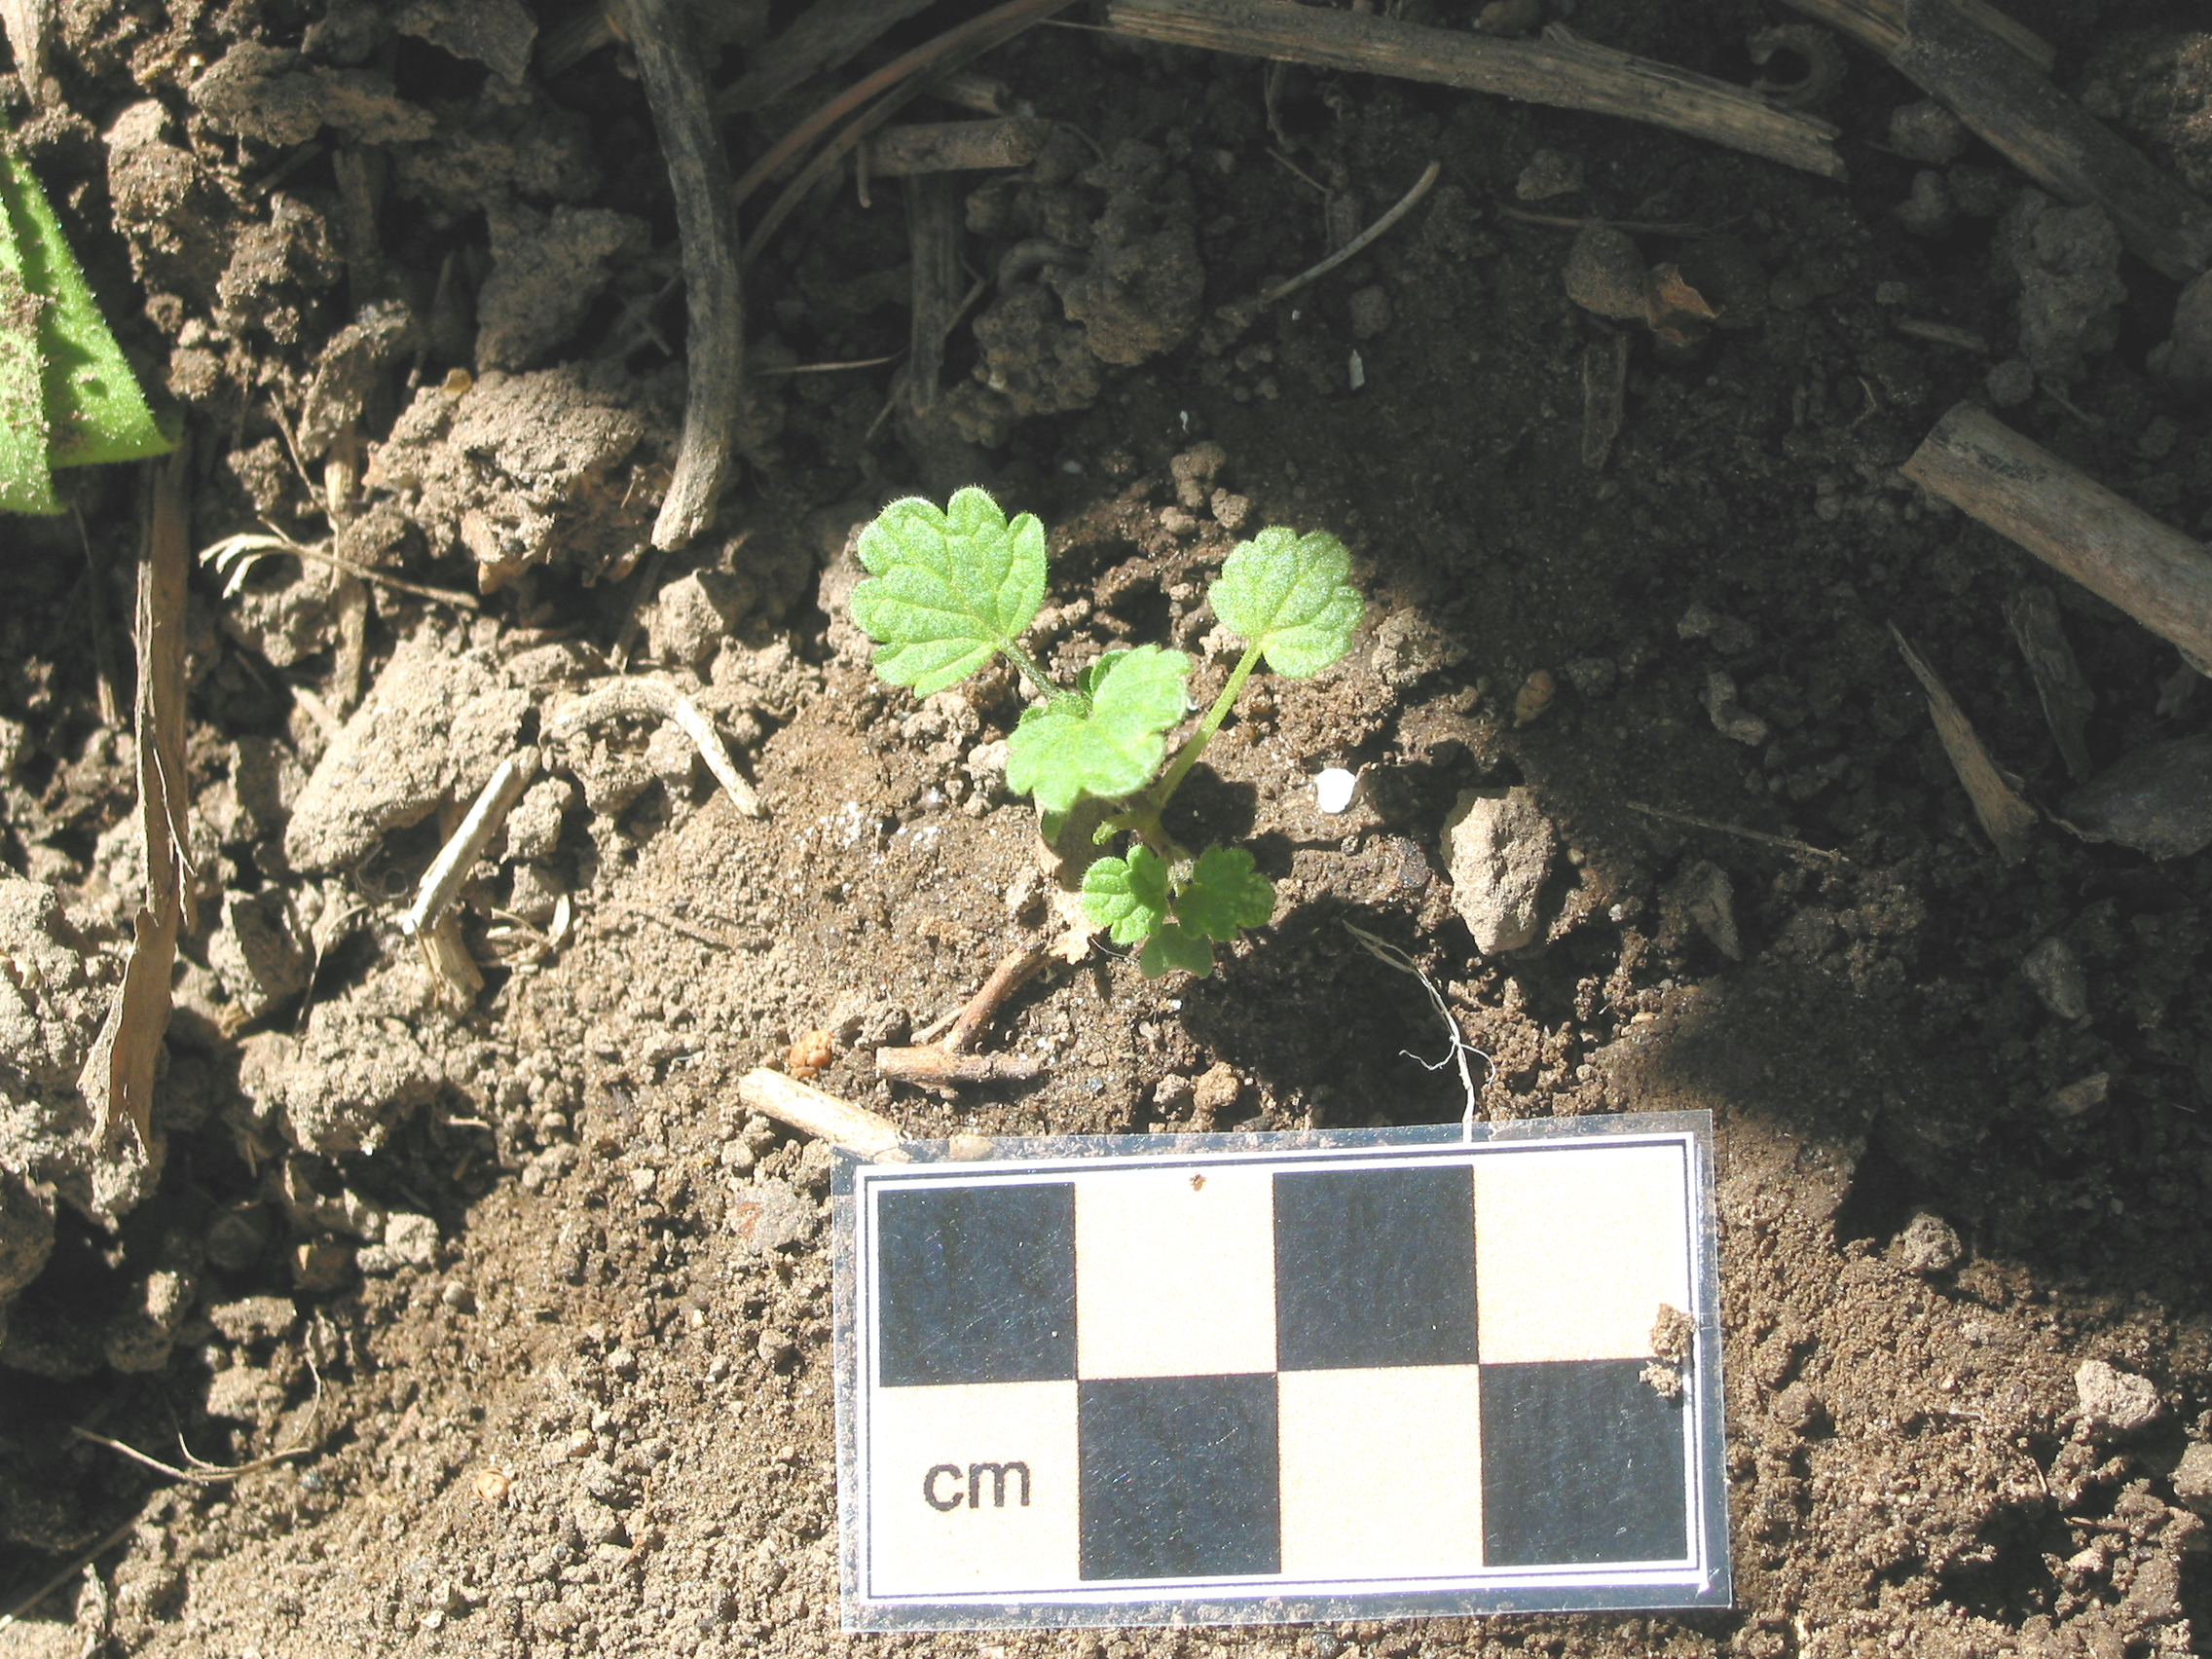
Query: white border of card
[(1584, 1227)]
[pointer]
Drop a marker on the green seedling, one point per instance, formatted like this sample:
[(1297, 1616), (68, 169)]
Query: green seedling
[(67, 398), (947, 591)]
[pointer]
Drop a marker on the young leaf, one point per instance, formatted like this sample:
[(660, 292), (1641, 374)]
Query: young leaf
[(1128, 897), (1062, 751), (68, 396), (1288, 594), (1171, 948), (1223, 894), (946, 590)]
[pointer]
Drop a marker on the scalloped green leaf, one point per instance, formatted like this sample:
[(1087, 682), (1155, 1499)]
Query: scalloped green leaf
[(1171, 948), (1063, 750), (1290, 595), (947, 588), (1128, 897), (1225, 894)]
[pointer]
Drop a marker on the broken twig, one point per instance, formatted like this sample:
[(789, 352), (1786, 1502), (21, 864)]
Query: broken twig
[(1564, 72), (457, 857), (675, 77), (956, 146), (949, 1060), (1982, 65), (118, 1075), (640, 696), (2072, 523), (1995, 802), (1803, 849), (862, 1133)]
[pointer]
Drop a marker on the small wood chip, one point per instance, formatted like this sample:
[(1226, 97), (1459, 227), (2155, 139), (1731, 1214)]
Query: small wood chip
[(1995, 802)]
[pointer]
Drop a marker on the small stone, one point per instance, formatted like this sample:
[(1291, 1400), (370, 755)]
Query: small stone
[(1730, 636), (1214, 1093), (2116, 1400), (1498, 847), (1709, 901), (1798, 1406), (458, 1297), (1549, 173), (412, 1238), (622, 1363), (1535, 695), (1370, 312), (1230, 511), (1927, 210), (1593, 675), (237, 1237), (2157, 799), (1929, 1244), (1926, 132), (2193, 1477), (2010, 383), (1606, 275), (967, 1148), (2055, 974), (1172, 1092), (1334, 788), (770, 1216), (2079, 1096), (1730, 718), (253, 1318), (776, 1345), (321, 1265)]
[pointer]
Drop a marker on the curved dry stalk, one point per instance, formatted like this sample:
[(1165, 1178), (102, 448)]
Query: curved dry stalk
[(642, 695), (706, 225)]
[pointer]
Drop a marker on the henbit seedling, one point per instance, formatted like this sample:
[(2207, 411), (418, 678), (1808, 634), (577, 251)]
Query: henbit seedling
[(67, 398), (947, 590)]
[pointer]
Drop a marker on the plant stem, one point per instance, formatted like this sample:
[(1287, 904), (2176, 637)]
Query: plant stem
[(1195, 745), (1027, 665)]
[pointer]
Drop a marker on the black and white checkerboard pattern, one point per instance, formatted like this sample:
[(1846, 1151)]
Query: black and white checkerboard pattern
[(1279, 1383)]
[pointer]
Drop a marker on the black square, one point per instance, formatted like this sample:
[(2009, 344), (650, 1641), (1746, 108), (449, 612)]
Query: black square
[(977, 1283), (1374, 1267), (1582, 1463), (1179, 1477)]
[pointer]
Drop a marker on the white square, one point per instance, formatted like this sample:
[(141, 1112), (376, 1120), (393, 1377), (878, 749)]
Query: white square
[(1174, 1272), (1382, 1472), (1576, 1250), (973, 1488)]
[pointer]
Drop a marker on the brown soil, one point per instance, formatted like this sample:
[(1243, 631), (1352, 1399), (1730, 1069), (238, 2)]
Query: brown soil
[(551, 1316)]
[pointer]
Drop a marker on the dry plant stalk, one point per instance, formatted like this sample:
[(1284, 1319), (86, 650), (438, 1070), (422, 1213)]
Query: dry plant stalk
[(950, 1059), (642, 695), (118, 1075), (1567, 74), (2060, 685), (2072, 523), (706, 223), (457, 857), (2003, 813), (1982, 66), (933, 236), (822, 37), (956, 146), (814, 1112)]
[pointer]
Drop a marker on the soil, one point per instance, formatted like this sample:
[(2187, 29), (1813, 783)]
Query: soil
[(523, 1322)]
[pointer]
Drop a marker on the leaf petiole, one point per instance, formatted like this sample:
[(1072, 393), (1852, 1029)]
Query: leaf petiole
[(1195, 745)]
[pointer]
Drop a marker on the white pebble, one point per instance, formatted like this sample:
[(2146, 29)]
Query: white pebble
[(1333, 789)]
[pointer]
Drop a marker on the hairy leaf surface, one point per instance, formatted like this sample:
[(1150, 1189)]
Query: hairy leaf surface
[(1291, 596), (1224, 893), (1063, 751), (1128, 897), (946, 589)]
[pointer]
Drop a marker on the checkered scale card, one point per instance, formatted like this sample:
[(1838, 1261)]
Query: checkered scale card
[(1213, 1379)]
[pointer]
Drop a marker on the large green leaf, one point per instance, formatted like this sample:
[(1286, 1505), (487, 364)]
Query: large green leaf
[(1291, 596), (1109, 745), (946, 589)]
